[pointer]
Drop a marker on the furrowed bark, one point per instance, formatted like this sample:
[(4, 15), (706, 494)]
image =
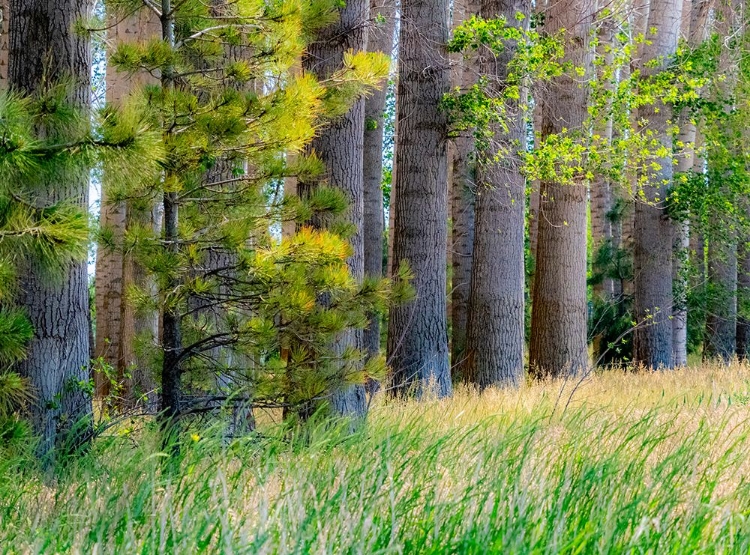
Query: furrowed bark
[(417, 334)]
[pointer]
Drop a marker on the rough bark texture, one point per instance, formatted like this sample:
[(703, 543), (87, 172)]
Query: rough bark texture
[(559, 312), (496, 308), (654, 231), (340, 147), (463, 189), (417, 334), (380, 39), (44, 47), (4, 14)]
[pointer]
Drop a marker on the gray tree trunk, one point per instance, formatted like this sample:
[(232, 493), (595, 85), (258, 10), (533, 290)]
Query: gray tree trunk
[(601, 191), (44, 46), (496, 308), (694, 17), (340, 147), (380, 39), (721, 316), (559, 311), (417, 333), (653, 229), (462, 188)]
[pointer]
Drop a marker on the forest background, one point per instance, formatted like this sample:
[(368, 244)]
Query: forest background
[(565, 188)]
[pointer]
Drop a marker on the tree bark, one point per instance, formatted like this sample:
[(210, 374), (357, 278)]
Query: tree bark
[(601, 191), (341, 146), (417, 334), (44, 47), (496, 309), (721, 316), (117, 324), (380, 39), (694, 17), (559, 311), (463, 189), (654, 230)]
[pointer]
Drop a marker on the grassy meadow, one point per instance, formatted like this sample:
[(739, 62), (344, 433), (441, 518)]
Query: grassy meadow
[(620, 463)]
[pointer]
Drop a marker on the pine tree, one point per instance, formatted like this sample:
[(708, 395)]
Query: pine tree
[(264, 296)]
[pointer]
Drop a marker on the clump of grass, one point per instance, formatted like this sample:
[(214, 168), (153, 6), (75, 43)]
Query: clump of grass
[(631, 463)]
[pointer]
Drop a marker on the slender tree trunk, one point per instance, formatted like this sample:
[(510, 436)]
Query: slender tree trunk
[(417, 334), (601, 192), (535, 197), (463, 188), (496, 309), (559, 311), (639, 26), (743, 299), (721, 320), (138, 328), (694, 17), (380, 39), (4, 14), (654, 231), (341, 146), (171, 374), (117, 324), (44, 46), (721, 316)]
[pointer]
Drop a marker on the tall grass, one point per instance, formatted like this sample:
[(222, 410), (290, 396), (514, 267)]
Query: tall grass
[(632, 463)]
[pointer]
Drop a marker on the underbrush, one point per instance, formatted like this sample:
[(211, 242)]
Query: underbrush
[(621, 463)]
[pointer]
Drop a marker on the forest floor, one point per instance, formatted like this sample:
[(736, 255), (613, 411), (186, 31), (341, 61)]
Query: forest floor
[(636, 463)]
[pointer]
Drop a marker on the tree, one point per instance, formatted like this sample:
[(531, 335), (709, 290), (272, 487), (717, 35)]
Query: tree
[(118, 326), (226, 158), (417, 331), (695, 16), (496, 307), (46, 51), (559, 311), (380, 39), (654, 230), (725, 171), (462, 191), (340, 147)]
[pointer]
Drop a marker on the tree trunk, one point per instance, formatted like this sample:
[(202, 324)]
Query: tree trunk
[(462, 189), (743, 300), (117, 324), (601, 193), (45, 46), (171, 373), (559, 311), (694, 17), (721, 320), (4, 14), (417, 334), (380, 39), (496, 309), (340, 147), (136, 328), (654, 231), (721, 310)]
